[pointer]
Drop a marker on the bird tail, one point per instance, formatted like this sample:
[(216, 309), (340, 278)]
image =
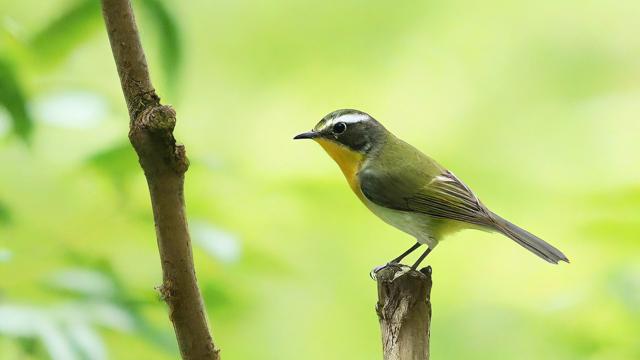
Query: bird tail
[(529, 241)]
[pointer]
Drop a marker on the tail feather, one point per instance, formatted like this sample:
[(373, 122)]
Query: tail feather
[(529, 241)]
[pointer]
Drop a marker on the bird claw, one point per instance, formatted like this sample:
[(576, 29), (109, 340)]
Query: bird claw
[(375, 270), (403, 270)]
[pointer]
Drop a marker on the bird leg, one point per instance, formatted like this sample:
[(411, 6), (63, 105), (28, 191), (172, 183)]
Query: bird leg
[(397, 260), (404, 254), (424, 255)]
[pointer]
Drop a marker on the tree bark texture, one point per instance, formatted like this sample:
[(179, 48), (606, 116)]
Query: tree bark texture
[(404, 311), (164, 163)]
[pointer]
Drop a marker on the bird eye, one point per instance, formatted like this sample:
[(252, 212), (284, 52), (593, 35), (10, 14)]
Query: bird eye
[(339, 128)]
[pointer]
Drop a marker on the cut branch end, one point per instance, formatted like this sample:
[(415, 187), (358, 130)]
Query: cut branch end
[(404, 312)]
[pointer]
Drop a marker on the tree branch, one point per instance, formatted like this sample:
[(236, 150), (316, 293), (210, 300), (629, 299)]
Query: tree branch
[(164, 163), (404, 311)]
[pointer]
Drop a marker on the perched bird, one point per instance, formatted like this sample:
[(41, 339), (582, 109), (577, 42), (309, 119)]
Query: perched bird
[(408, 189)]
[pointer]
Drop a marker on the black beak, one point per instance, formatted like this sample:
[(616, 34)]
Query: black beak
[(307, 135)]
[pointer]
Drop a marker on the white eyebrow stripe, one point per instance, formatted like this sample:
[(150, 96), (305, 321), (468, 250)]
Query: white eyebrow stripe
[(351, 118)]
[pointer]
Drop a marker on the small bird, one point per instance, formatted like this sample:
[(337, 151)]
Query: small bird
[(409, 190)]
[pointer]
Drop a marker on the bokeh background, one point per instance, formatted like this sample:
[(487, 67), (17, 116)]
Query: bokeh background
[(536, 105)]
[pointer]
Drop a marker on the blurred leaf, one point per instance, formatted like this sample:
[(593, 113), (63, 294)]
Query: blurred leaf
[(217, 243), (59, 38), (86, 341), (85, 260), (102, 313), (215, 295), (5, 214), (226, 299), (122, 311), (101, 266), (12, 39), (161, 338), (118, 162), (13, 99), (170, 40), (56, 342), (31, 322), (66, 331), (5, 121), (85, 282), (29, 346), (19, 320), (71, 109)]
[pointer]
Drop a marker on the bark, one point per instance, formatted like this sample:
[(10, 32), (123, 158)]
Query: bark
[(404, 311), (164, 163)]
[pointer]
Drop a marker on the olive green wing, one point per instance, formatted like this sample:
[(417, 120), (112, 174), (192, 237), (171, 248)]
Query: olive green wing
[(441, 196), (447, 197)]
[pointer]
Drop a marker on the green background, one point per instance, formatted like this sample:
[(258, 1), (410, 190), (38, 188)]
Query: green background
[(535, 105)]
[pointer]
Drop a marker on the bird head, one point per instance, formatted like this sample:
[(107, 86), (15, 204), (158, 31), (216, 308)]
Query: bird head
[(350, 129)]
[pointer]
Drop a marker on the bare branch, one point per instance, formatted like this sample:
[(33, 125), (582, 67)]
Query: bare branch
[(164, 163)]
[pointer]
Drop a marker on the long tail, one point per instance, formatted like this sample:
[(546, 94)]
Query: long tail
[(529, 241)]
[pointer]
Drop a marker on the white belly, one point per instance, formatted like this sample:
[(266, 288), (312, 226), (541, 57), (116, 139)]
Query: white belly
[(414, 224)]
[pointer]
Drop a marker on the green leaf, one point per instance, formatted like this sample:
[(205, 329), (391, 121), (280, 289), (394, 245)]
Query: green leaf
[(170, 39), (13, 99), (59, 38)]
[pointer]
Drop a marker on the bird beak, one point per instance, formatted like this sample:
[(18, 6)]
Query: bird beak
[(307, 135)]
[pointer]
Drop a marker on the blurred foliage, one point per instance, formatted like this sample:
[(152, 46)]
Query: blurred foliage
[(118, 163), (12, 98), (5, 215), (70, 29), (170, 47), (95, 299), (49, 46), (534, 104)]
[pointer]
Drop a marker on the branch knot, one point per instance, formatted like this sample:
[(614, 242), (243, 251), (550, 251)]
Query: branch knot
[(157, 118), (166, 290)]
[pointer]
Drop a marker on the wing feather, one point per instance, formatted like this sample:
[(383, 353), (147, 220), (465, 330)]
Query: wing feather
[(443, 196)]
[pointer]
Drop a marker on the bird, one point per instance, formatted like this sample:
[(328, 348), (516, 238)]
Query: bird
[(409, 190)]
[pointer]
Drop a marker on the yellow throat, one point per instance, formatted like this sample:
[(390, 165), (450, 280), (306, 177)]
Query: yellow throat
[(348, 160)]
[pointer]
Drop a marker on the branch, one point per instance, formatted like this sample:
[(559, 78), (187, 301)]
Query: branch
[(164, 163), (404, 311)]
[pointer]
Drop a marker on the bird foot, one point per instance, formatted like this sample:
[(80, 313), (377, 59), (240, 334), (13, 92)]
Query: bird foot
[(375, 270), (403, 270)]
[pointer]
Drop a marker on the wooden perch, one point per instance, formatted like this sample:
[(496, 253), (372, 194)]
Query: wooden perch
[(164, 163), (404, 311)]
